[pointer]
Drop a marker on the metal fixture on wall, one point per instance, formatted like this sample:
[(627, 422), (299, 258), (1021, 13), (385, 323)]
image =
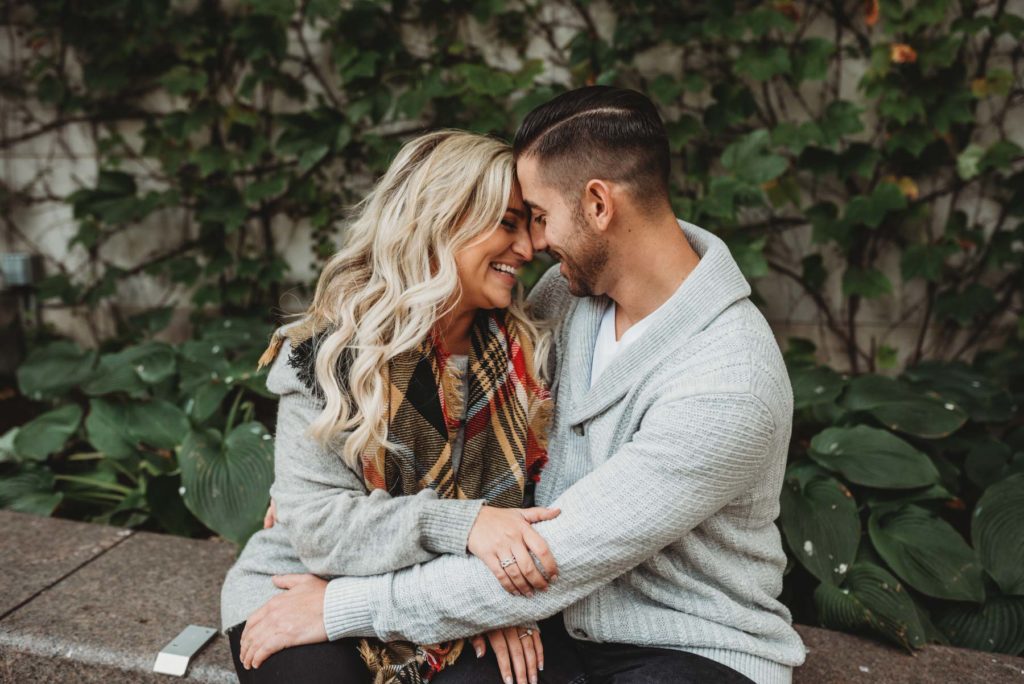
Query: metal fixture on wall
[(19, 304)]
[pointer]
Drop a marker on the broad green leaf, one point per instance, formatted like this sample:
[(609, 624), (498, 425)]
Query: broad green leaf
[(927, 553), (901, 407), (106, 427), (157, 423), (226, 483), (871, 600), (988, 462), (30, 490), (47, 433), (996, 626), (815, 385), (872, 457), (997, 528), (820, 522), (52, 370)]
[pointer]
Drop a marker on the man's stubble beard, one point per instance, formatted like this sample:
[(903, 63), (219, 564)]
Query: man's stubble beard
[(588, 257)]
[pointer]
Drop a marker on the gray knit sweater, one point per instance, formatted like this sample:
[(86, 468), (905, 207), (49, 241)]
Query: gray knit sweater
[(668, 473)]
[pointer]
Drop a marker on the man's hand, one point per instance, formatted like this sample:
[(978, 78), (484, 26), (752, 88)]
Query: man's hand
[(517, 649), (271, 517), (507, 533), (293, 618)]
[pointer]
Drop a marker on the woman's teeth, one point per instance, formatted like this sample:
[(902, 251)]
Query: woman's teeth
[(504, 268)]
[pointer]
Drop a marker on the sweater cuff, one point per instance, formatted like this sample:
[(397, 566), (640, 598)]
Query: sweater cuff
[(446, 524), (347, 608)]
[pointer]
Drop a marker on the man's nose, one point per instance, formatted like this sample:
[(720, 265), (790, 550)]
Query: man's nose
[(537, 238)]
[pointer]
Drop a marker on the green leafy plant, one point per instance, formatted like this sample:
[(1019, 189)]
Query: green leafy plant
[(908, 528), (151, 435)]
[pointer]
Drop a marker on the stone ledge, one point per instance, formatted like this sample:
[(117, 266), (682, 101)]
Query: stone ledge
[(94, 604)]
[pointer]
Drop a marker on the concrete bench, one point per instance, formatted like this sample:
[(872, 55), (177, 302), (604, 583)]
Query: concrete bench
[(91, 603)]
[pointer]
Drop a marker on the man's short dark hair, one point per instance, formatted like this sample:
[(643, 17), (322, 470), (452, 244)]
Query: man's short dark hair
[(601, 132)]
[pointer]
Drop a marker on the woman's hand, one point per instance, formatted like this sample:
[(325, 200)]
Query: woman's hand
[(502, 533), (517, 649), (293, 618)]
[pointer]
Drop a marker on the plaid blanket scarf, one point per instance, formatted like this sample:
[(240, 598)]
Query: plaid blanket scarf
[(504, 443)]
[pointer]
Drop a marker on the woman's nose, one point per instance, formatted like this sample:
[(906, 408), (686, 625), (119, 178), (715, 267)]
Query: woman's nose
[(523, 246)]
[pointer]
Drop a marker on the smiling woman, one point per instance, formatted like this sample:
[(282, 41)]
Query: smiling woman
[(412, 394)]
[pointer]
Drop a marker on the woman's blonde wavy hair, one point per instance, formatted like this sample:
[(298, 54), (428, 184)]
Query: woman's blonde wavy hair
[(395, 277)]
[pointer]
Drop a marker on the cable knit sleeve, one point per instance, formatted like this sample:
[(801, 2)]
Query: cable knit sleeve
[(690, 457), (333, 524)]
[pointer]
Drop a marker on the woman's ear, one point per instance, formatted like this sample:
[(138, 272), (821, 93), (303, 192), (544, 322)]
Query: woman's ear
[(599, 203)]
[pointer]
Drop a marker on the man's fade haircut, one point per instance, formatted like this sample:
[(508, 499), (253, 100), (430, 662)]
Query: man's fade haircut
[(600, 132)]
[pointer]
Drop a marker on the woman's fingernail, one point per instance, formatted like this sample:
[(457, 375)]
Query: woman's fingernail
[(479, 653), (508, 680), (533, 679), (540, 665)]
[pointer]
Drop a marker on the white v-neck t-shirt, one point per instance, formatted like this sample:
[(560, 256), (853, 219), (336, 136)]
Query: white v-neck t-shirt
[(606, 347)]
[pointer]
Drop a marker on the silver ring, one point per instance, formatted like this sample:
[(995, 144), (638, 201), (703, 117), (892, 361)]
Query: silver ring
[(508, 561), (527, 633)]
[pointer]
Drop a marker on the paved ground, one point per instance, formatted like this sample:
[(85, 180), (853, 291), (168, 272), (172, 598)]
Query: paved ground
[(90, 603)]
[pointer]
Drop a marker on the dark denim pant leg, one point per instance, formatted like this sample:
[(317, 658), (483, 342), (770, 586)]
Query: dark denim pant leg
[(561, 663), (329, 662), (608, 663)]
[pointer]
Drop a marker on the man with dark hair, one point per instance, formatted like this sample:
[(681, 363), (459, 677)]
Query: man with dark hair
[(670, 436)]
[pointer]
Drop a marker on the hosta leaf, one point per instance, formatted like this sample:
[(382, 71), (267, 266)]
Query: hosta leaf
[(106, 427), (871, 600), (227, 482), (997, 529), (996, 626), (132, 368), (988, 461), (927, 553), (47, 433), (52, 370), (157, 423), (901, 407), (814, 385), (30, 490), (876, 458), (820, 522)]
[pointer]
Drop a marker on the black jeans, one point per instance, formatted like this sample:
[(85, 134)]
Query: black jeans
[(566, 661)]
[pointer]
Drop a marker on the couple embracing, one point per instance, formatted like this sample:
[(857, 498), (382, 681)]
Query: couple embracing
[(470, 487)]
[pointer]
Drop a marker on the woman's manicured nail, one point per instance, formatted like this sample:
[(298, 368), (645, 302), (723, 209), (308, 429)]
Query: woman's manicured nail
[(508, 680), (533, 679), (540, 665), (479, 653)]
